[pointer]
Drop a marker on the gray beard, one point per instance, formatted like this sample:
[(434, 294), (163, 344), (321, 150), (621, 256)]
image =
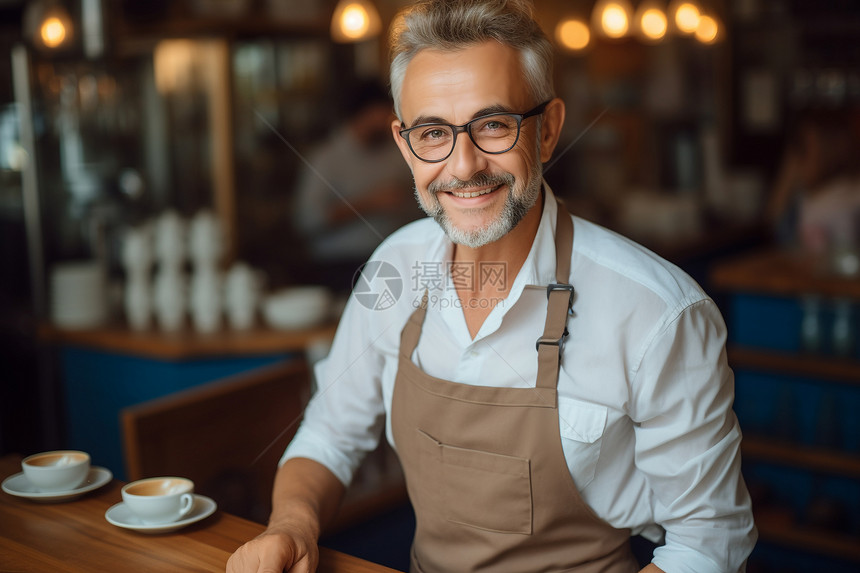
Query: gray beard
[(519, 201)]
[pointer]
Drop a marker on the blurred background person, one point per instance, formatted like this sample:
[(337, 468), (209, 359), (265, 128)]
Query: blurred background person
[(356, 191), (815, 202)]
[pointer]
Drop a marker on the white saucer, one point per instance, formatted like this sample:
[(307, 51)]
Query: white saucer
[(121, 516), (20, 486)]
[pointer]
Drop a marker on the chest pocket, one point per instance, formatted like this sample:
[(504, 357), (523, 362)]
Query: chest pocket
[(581, 425), (479, 489)]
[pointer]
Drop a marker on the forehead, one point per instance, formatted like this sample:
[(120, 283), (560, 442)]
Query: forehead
[(453, 85)]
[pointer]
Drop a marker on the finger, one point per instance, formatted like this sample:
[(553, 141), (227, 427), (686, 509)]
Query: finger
[(274, 558), (303, 565)]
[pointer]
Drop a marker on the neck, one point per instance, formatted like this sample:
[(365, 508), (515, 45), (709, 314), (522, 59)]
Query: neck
[(512, 249)]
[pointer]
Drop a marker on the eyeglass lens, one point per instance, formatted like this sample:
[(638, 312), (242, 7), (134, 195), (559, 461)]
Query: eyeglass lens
[(492, 134)]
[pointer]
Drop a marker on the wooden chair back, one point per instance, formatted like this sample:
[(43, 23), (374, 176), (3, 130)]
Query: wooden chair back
[(227, 435)]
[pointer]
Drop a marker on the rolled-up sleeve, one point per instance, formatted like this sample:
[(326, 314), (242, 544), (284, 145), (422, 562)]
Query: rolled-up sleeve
[(688, 444), (344, 418)]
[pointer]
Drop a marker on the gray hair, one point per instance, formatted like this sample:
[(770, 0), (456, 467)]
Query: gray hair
[(457, 24)]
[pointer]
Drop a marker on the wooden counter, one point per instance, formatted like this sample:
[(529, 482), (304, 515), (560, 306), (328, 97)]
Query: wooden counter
[(74, 536), (188, 344), (104, 370), (782, 273)]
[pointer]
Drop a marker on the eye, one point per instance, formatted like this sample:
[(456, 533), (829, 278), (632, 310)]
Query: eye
[(433, 134), (495, 126)]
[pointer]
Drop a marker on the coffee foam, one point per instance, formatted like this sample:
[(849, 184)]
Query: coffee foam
[(165, 486), (57, 460)]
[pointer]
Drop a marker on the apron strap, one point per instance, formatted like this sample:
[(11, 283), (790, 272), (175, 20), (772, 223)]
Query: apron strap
[(411, 333), (563, 244), (559, 303)]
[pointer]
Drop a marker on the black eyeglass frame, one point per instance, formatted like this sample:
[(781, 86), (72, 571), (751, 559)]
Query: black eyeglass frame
[(467, 127)]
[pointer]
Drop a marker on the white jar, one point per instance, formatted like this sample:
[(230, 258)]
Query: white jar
[(170, 298), (138, 302), (206, 299), (241, 296), (170, 236)]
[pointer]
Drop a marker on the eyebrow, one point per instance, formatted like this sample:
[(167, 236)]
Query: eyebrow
[(489, 110)]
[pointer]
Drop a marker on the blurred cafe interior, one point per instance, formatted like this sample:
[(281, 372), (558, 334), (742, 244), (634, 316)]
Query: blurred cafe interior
[(163, 242)]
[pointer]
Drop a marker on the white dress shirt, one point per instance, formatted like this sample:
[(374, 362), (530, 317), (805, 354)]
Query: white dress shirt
[(645, 393)]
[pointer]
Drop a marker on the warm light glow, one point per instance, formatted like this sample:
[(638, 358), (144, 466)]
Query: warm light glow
[(53, 32), (573, 34), (354, 21), (708, 30), (653, 24), (173, 62), (614, 20), (687, 17)]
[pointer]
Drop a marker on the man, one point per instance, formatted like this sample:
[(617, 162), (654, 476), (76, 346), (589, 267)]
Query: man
[(539, 424)]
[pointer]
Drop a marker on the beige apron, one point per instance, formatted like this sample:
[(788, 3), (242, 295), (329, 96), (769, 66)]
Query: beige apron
[(485, 469)]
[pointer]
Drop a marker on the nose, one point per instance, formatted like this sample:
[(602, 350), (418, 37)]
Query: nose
[(466, 159)]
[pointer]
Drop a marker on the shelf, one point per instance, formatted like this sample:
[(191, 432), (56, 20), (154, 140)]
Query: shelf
[(188, 344), (844, 370), (717, 236), (782, 273), (816, 459), (777, 527)]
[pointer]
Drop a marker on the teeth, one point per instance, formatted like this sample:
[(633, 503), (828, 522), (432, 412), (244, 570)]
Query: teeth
[(473, 194)]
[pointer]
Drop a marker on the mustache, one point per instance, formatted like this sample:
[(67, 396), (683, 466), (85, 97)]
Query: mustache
[(480, 180)]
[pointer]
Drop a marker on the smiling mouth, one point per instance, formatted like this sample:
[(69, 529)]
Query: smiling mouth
[(471, 194)]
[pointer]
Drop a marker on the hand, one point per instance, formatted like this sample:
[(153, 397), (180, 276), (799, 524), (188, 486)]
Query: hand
[(274, 551)]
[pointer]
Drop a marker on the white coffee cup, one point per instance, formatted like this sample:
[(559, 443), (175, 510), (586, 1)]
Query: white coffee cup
[(159, 499), (61, 470)]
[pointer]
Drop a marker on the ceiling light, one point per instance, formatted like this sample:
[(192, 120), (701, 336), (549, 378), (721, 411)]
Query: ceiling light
[(573, 34), (355, 20), (48, 24), (650, 21), (685, 16), (708, 30), (611, 18)]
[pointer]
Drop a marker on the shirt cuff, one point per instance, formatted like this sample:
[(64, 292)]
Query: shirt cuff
[(679, 559), (305, 445)]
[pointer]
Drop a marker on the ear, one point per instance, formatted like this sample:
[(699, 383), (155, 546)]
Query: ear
[(553, 120), (396, 126)]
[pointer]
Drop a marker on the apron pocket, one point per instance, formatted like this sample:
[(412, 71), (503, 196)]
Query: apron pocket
[(581, 425), (484, 490)]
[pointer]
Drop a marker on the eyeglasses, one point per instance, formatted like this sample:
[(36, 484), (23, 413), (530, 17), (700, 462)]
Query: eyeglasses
[(494, 133)]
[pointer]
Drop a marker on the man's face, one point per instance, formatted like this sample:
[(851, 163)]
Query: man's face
[(476, 197)]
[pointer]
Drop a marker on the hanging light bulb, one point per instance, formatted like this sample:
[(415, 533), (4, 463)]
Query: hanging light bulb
[(612, 18), (48, 24), (708, 29), (650, 22), (573, 34), (685, 15), (52, 32), (355, 20)]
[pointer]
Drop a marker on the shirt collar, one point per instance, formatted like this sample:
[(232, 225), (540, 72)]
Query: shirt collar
[(539, 266)]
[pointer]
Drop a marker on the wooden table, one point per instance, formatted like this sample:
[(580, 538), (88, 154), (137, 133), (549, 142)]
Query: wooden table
[(74, 536)]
